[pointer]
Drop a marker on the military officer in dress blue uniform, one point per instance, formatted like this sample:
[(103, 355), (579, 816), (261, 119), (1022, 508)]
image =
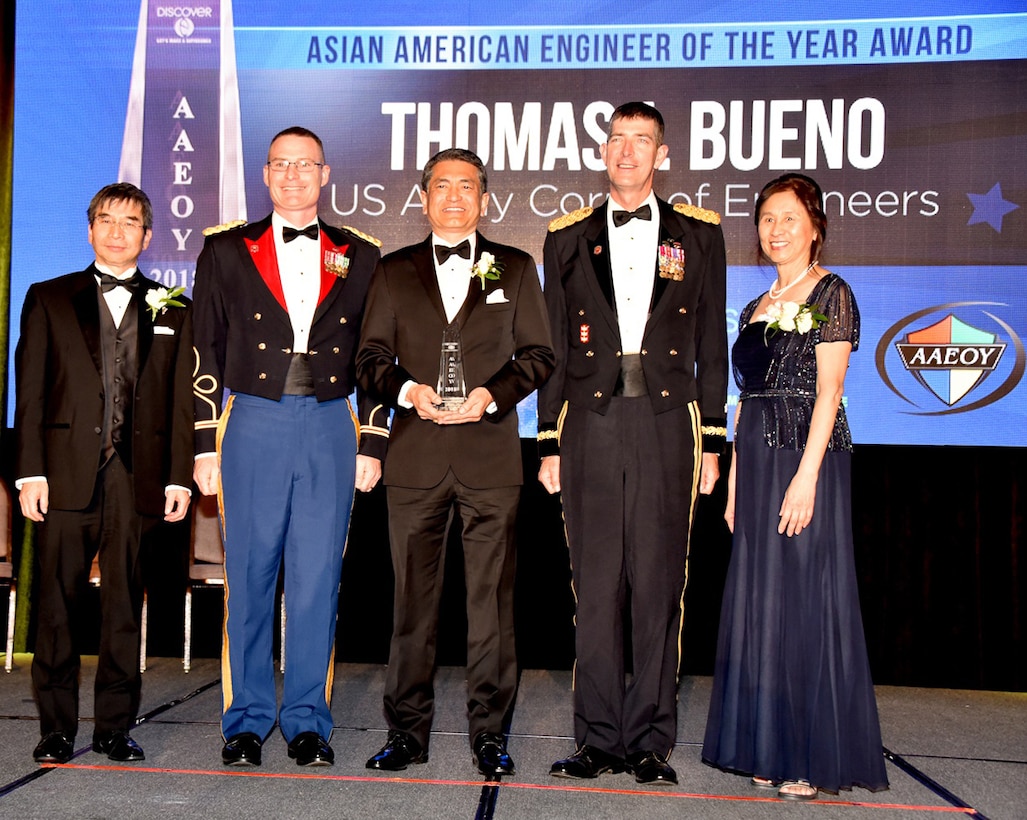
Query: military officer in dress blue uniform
[(630, 426), (278, 306)]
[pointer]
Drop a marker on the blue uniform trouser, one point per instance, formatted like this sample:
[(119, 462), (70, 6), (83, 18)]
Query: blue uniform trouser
[(287, 473)]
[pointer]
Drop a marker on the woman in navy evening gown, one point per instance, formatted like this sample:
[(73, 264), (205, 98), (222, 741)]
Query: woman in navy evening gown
[(793, 703)]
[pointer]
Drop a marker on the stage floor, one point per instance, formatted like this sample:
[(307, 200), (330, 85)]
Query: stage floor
[(953, 753)]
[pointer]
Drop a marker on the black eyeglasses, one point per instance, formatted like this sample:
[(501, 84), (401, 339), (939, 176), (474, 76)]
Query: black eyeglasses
[(304, 166)]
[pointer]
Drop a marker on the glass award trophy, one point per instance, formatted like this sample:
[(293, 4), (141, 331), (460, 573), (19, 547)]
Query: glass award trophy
[(451, 387)]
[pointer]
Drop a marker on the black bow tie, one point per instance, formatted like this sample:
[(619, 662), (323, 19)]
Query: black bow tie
[(289, 234), (443, 252), (621, 218), (108, 282)]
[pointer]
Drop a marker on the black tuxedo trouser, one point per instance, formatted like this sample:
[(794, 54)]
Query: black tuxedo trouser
[(68, 542), (628, 481), (418, 525)]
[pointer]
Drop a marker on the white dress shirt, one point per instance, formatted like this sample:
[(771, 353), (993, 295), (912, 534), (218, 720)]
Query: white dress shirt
[(633, 251), (117, 299), (453, 275), (299, 266)]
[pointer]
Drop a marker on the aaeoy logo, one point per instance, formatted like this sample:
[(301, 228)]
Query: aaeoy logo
[(951, 355)]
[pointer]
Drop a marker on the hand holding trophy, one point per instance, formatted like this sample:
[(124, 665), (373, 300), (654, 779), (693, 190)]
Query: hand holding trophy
[(451, 386)]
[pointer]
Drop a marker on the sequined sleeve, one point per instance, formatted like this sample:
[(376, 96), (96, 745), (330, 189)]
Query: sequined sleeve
[(839, 306)]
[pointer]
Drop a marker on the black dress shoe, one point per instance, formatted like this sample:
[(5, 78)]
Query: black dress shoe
[(117, 745), (310, 749), (56, 747), (399, 752), (490, 754), (651, 767), (242, 749), (587, 762)]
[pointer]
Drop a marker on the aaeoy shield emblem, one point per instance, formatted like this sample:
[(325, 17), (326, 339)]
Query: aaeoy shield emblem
[(952, 358)]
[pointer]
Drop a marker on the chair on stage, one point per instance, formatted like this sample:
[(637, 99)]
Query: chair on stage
[(7, 574), (94, 581), (207, 566), (206, 561)]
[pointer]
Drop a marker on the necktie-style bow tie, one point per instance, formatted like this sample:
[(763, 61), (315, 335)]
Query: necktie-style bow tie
[(108, 282), (621, 218), (443, 252), (289, 234)]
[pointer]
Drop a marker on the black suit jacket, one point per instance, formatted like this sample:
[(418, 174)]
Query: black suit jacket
[(684, 347), (244, 336), (60, 394), (506, 348)]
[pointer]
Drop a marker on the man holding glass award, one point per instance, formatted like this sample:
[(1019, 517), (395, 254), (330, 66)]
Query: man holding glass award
[(453, 312)]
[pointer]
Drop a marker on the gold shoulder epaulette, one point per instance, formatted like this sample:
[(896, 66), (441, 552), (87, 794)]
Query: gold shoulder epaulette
[(703, 214), (227, 226), (567, 220), (365, 236)]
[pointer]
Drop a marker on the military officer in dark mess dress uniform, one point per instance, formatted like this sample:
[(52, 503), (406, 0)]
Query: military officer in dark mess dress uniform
[(630, 427), (278, 312)]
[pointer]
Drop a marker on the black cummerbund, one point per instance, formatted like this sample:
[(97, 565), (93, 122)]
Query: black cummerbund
[(631, 381), (299, 381)]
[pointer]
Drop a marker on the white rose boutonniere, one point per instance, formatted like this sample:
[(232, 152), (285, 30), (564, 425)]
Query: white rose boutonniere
[(159, 300), (487, 267), (791, 317)]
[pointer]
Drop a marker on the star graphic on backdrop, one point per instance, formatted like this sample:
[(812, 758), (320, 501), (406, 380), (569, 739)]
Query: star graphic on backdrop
[(990, 208)]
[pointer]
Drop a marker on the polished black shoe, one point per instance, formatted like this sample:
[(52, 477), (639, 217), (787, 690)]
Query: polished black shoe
[(56, 747), (587, 762), (651, 768), (490, 755), (242, 749), (310, 749), (399, 752), (118, 745)]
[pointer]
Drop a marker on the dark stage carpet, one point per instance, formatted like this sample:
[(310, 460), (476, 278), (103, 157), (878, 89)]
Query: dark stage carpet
[(951, 754)]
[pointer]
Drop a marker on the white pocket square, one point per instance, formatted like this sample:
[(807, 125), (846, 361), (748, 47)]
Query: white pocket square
[(496, 297), (161, 330)]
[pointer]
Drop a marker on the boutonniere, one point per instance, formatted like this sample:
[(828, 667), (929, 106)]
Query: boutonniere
[(337, 262), (158, 300), (487, 267), (791, 317), (672, 260)]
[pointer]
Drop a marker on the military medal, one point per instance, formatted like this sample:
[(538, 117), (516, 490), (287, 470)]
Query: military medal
[(672, 261), (337, 262)]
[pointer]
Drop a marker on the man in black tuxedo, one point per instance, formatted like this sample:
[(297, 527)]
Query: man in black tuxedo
[(279, 304), (461, 464), (630, 427), (103, 417)]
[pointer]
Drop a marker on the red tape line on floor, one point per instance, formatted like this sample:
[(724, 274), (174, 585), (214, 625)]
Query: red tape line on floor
[(477, 784)]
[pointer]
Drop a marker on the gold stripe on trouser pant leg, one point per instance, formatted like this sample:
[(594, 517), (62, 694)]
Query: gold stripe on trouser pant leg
[(330, 673), (696, 422), (566, 538), (226, 668)]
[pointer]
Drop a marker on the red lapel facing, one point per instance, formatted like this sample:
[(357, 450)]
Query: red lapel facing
[(262, 251)]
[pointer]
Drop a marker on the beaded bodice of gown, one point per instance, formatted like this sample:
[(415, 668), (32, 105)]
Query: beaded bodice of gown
[(779, 368)]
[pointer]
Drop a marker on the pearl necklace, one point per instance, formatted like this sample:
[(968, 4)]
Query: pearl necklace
[(786, 288)]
